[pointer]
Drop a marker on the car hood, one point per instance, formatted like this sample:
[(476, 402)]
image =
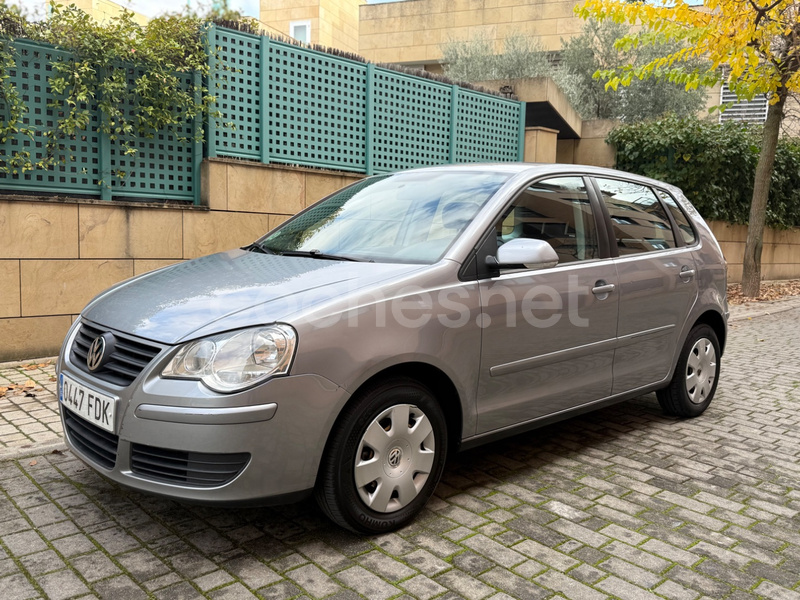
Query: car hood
[(227, 291)]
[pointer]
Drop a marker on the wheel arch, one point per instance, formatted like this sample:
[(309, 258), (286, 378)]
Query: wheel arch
[(443, 388), (714, 320)]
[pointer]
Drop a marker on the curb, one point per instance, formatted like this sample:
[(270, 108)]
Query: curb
[(13, 364), (752, 310), (33, 450)]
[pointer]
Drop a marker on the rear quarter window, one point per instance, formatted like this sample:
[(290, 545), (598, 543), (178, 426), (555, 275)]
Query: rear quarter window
[(681, 220)]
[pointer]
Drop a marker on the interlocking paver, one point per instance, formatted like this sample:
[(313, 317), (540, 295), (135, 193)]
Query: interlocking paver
[(314, 580), (623, 502), (422, 587)]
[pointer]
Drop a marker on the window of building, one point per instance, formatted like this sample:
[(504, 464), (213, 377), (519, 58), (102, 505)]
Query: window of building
[(752, 111), (301, 31)]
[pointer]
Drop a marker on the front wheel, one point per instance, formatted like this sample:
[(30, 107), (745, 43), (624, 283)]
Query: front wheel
[(384, 458), (696, 374)]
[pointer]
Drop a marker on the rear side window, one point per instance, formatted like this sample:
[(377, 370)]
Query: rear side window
[(680, 218), (640, 222)]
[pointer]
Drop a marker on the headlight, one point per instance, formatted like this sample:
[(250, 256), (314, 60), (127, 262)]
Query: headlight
[(233, 361)]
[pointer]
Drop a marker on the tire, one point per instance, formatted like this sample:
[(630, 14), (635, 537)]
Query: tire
[(696, 375), (384, 458)]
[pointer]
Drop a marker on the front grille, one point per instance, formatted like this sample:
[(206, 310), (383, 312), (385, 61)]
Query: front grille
[(194, 469), (128, 358), (97, 444)]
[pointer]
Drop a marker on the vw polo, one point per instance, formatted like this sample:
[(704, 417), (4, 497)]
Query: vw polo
[(350, 350)]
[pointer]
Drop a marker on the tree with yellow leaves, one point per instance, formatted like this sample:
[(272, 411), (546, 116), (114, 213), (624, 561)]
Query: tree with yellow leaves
[(757, 42)]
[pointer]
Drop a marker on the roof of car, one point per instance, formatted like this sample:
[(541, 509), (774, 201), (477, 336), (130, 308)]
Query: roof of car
[(534, 169)]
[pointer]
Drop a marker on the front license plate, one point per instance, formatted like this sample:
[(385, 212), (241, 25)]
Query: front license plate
[(85, 402)]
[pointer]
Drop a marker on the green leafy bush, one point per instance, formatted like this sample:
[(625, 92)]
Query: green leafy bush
[(714, 164)]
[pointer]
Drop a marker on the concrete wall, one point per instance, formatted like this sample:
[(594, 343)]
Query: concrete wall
[(56, 255), (591, 149), (540, 145), (413, 31)]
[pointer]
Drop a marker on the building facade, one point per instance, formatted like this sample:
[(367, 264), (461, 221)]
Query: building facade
[(413, 31), (333, 23)]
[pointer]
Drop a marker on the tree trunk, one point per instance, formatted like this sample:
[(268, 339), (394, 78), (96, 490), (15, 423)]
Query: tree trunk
[(751, 277)]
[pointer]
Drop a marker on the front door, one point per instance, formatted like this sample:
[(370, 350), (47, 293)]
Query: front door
[(548, 335)]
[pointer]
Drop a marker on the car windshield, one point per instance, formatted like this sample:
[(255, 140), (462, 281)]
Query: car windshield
[(410, 217)]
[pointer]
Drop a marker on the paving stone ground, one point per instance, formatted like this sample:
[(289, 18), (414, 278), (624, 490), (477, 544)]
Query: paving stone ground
[(28, 407), (621, 503)]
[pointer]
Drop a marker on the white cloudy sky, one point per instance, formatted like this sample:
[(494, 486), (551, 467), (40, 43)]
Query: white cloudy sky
[(153, 8)]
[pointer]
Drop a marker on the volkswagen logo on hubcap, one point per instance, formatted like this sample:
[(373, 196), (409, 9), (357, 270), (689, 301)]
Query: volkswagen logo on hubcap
[(94, 358), (395, 456)]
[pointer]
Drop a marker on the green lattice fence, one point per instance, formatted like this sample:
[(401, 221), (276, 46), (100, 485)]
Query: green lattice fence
[(78, 176), (287, 104), (163, 168), (279, 103)]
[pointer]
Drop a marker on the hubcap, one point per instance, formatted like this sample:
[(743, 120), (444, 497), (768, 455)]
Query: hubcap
[(394, 458), (701, 370)]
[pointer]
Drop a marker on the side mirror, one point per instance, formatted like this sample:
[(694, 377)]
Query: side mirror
[(534, 254)]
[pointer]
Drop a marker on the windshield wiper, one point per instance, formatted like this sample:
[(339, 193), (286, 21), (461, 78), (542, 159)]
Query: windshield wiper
[(256, 248), (320, 254)]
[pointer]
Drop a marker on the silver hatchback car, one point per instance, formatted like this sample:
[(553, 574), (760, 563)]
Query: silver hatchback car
[(409, 315)]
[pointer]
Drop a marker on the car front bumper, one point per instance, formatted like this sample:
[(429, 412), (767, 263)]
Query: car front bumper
[(175, 438)]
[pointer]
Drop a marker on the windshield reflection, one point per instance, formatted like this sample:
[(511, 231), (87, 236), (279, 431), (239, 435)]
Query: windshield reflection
[(411, 217)]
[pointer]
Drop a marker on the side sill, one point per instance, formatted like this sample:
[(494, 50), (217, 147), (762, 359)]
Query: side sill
[(499, 434)]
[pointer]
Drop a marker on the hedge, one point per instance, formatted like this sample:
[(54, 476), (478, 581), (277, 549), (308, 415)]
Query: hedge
[(714, 164)]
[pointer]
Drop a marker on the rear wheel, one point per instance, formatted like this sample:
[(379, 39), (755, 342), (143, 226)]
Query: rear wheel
[(384, 459), (695, 379)]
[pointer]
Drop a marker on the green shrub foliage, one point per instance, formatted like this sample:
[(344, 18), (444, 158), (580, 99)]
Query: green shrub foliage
[(714, 164)]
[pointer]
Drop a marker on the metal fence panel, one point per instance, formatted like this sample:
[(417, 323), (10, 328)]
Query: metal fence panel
[(316, 108), (294, 105), (81, 170), (412, 121), (163, 168), (488, 128)]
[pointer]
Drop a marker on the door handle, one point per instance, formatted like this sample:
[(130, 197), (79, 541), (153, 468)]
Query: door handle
[(686, 274), (602, 289)]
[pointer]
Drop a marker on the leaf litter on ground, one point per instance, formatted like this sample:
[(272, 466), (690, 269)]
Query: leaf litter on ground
[(770, 290)]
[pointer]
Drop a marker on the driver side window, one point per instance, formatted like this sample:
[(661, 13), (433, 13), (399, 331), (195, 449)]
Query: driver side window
[(558, 211)]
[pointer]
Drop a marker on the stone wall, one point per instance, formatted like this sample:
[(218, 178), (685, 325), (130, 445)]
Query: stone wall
[(780, 256), (57, 254)]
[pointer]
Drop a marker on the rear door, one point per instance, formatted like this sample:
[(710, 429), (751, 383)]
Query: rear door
[(657, 284)]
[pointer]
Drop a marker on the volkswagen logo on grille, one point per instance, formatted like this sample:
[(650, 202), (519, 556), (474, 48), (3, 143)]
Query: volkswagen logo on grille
[(94, 358)]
